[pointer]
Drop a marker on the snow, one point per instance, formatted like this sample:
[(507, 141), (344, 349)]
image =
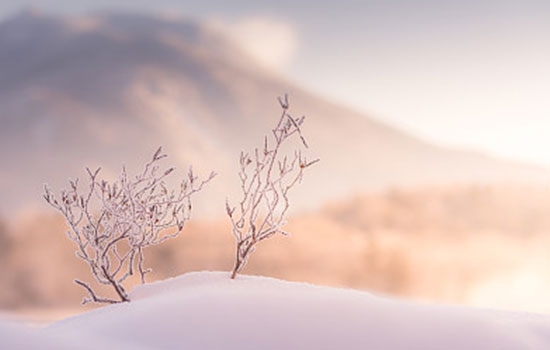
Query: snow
[(207, 310), (14, 334)]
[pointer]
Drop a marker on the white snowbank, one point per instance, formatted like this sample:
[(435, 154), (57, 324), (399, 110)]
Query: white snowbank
[(207, 310), (14, 334)]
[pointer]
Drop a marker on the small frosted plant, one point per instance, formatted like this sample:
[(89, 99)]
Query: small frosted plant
[(112, 223), (266, 177)]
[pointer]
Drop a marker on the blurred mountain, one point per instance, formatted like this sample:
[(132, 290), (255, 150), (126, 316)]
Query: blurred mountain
[(108, 89)]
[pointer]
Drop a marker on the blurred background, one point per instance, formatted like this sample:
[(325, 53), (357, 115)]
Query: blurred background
[(431, 120)]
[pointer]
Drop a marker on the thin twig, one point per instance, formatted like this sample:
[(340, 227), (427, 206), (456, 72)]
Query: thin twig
[(265, 180)]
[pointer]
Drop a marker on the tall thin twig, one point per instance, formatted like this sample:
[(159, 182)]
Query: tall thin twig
[(266, 177)]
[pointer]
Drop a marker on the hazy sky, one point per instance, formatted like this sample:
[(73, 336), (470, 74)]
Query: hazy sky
[(473, 74)]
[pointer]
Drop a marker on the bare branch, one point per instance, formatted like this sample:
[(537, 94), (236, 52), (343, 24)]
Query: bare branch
[(266, 179), (93, 297)]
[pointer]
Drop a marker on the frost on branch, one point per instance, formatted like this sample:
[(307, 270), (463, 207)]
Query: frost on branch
[(266, 177), (112, 223)]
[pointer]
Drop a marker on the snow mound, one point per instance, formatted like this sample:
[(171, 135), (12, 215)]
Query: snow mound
[(207, 310), (14, 334)]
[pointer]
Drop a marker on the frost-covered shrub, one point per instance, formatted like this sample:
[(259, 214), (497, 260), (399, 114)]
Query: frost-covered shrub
[(266, 177), (112, 223)]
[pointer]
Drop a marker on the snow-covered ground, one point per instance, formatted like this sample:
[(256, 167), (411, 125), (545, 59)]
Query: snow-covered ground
[(207, 310)]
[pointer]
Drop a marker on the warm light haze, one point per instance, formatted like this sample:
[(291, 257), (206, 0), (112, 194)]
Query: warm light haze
[(430, 121)]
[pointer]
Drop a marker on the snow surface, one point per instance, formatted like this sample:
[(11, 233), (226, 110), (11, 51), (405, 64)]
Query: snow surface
[(207, 310), (14, 334)]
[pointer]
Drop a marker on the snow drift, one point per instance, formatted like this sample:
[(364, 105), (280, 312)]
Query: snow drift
[(207, 310)]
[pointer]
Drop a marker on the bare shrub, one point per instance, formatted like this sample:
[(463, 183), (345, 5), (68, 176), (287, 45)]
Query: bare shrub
[(112, 223), (266, 177)]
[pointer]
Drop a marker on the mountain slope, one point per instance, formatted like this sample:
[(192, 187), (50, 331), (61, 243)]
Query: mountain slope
[(108, 89)]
